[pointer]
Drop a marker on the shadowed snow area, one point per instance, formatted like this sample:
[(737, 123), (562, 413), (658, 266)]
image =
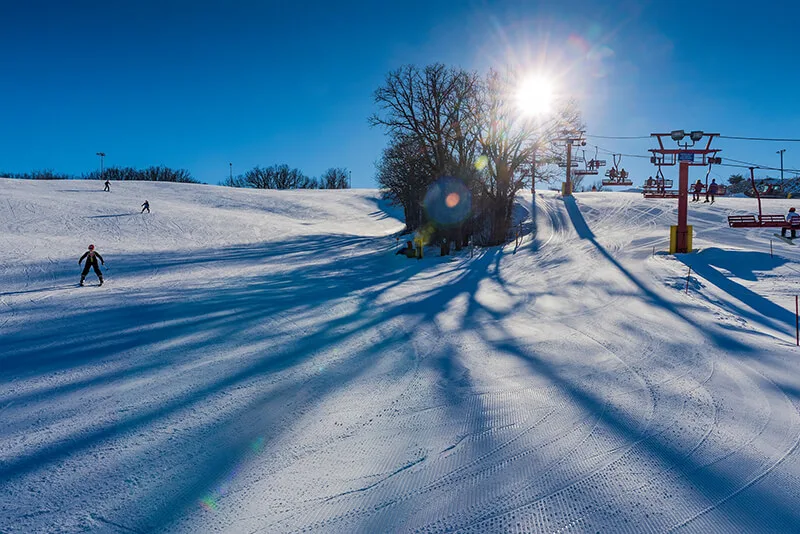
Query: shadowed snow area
[(262, 361)]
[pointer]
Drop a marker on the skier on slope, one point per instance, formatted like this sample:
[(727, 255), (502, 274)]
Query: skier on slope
[(793, 218), (108, 186), (146, 206), (91, 258)]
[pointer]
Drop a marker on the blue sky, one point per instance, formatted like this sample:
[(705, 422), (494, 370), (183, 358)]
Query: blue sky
[(197, 85)]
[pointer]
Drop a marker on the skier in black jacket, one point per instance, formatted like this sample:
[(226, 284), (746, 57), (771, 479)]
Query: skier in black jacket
[(91, 262)]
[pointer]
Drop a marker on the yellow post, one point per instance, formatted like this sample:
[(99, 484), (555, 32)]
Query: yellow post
[(565, 190), (673, 238), (419, 248)]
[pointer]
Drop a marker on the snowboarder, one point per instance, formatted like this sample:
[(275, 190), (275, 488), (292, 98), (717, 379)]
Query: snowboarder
[(712, 190), (108, 186), (91, 258), (698, 188), (793, 218), (146, 206)]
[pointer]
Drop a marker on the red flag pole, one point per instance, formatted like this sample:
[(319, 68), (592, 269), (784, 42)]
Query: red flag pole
[(797, 320)]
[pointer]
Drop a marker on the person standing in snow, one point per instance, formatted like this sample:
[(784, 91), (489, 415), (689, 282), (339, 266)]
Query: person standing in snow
[(146, 206), (793, 218), (697, 188), (108, 186), (91, 258), (712, 190)]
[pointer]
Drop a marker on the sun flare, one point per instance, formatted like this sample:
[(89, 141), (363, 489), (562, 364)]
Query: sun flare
[(535, 95)]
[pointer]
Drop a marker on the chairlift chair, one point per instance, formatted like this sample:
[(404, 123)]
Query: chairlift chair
[(615, 176), (659, 187), (590, 166), (762, 221)]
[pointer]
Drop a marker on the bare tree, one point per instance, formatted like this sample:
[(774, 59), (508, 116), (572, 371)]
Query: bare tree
[(432, 111), (335, 178), (509, 139), (403, 177)]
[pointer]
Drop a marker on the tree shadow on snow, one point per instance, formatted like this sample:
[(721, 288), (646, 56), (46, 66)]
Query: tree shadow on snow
[(338, 268)]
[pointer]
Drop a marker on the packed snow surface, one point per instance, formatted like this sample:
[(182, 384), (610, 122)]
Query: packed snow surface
[(261, 361)]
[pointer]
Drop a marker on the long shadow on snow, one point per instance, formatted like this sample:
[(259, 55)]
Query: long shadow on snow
[(715, 485), (585, 233), (256, 304), (64, 343), (741, 264), (420, 313), (702, 476)]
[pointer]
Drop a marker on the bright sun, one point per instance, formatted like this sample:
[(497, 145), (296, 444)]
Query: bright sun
[(535, 95)]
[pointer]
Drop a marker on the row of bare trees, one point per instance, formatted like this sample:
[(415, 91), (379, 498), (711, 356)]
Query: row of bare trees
[(448, 122), (283, 177), (149, 174)]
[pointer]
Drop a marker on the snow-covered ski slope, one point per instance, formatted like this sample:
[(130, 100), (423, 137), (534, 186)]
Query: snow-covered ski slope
[(261, 361)]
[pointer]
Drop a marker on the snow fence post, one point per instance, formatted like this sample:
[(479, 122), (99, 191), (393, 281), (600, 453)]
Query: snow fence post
[(796, 321), (687, 279)]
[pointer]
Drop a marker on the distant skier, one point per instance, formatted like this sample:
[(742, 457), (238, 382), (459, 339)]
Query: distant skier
[(712, 190), (91, 258), (793, 218), (697, 188), (108, 186), (146, 206)]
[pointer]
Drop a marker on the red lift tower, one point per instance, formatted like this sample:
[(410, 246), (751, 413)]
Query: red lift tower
[(684, 155), (570, 139)]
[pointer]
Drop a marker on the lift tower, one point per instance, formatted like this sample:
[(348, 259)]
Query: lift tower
[(684, 155)]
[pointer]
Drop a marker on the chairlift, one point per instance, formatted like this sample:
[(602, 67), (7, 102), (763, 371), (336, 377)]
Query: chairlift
[(590, 166), (616, 176), (659, 187), (763, 221), (722, 190)]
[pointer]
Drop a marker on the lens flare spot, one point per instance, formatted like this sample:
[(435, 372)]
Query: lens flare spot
[(447, 202), (481, 162), (452, 200), (209, 503), (258, 444)]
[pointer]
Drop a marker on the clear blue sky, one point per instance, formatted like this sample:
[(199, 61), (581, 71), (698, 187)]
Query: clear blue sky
[(197, 85)]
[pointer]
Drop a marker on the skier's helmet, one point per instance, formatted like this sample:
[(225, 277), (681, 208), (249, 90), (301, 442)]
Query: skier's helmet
[(91, 247)]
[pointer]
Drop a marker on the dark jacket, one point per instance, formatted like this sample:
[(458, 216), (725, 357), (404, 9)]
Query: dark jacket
[(713, 188), (91, 258)]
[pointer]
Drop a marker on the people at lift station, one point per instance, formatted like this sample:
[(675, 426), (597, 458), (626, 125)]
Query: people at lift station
[(793, 218)]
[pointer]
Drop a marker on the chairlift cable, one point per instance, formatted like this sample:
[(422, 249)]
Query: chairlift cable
[(739, 137), (618, 137), (778, 139)]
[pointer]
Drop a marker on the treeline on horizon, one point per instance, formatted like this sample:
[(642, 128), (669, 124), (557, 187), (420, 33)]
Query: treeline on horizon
[(149, 174), (284, 177), (273, 177)]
